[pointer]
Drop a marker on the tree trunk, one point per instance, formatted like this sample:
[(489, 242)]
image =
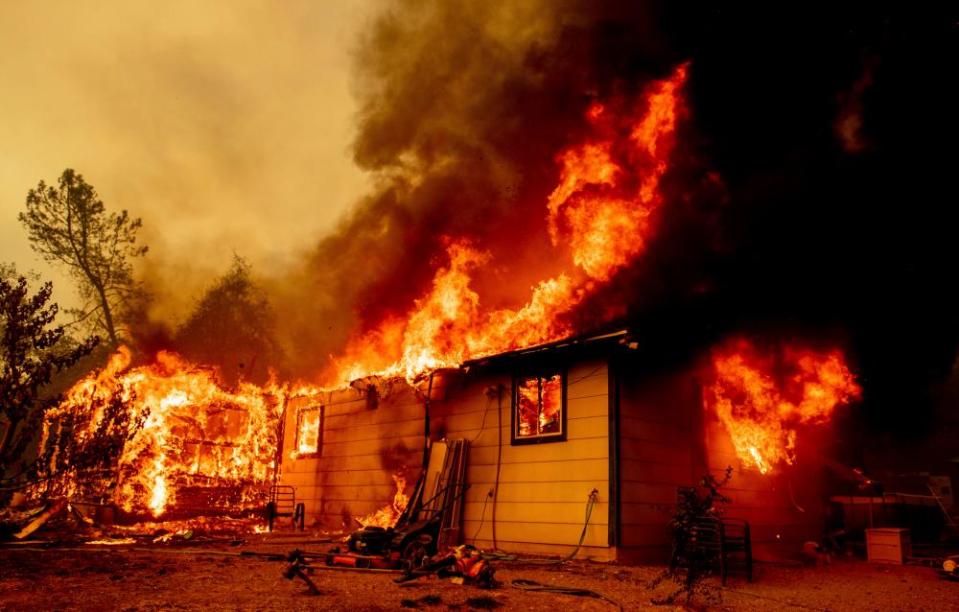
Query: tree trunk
[(107, 316)]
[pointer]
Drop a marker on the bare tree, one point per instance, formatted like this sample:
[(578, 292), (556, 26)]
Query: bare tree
[(31, 352), (69, 225)]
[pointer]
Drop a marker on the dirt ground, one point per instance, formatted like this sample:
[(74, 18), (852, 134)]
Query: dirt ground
[(218, 578)]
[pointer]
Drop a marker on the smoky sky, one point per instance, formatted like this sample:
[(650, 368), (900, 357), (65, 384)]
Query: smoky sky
[(226, 126)]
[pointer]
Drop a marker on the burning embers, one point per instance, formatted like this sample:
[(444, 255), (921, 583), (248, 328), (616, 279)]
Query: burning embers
[(142, 437), (598, 214), (761, 399)]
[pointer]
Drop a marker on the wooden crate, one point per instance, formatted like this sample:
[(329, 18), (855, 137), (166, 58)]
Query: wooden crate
[(888, 545)]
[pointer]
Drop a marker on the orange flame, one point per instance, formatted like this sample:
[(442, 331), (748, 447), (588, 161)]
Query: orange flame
[(183, 429), (389, 514), (761, 405), (605, 208), (180, 428), (599, 212)]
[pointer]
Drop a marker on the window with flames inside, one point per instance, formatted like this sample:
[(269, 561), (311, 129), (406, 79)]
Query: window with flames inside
[(309, 431), (539, 408)]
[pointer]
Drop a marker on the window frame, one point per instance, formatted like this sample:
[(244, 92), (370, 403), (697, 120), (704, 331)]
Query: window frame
[(300, 412), (515, 438)]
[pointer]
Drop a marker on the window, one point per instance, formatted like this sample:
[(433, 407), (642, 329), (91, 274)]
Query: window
[(309, 431), (539, 408)]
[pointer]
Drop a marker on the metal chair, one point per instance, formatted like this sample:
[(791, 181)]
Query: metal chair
[(724, 542), (716, 542), (736, 543)]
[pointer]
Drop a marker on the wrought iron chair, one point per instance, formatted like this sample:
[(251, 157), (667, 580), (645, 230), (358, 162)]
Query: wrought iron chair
[(722, 542), (716, 542)]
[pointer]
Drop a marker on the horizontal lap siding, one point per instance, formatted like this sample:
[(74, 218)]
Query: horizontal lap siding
[(657, 454), (350, 477), (543, 488)]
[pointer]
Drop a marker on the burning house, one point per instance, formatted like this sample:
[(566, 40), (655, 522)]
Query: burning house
[(164, 440), (578, 441), (564, 424), (596, 266), (549, 425)]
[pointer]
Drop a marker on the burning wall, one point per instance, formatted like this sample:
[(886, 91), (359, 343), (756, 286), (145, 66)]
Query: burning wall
[(761, 408), (366, 460), (541, 489), (769, 412), (141, 436)]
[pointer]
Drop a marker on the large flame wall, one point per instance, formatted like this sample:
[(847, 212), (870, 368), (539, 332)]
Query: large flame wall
[(141, 436), (599, 216)]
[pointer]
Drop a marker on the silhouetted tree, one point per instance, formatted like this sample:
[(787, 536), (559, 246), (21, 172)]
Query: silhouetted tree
[(68, 225), (232, 327), (32, 351)]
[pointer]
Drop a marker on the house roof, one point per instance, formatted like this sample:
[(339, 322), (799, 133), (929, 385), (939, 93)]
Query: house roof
[(573, 343)]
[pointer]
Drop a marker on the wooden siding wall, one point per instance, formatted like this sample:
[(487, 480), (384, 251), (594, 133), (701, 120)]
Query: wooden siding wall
[(667, 440), (361, 449), (543, 488), (657, 454)]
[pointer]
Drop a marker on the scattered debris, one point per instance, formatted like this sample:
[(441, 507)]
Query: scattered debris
[(950, 568), (67, 523), (463, 562), (52, 510), (814, 553), (414, 534), (168, 537), (200, 578)]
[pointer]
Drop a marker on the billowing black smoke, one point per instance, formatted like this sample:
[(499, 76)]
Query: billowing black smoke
[(464, 106), (812, 194)]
